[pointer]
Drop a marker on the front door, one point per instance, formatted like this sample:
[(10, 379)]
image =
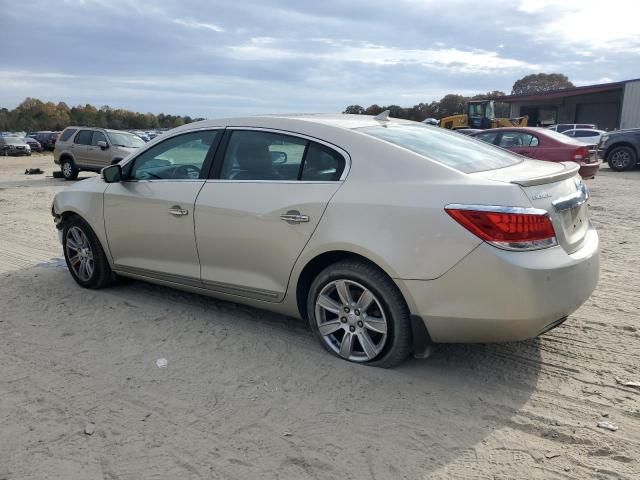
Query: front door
[(96, 156), (149, 217), (254, 219)]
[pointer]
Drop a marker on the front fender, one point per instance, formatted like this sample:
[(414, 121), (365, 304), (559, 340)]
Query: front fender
[(85, 199)]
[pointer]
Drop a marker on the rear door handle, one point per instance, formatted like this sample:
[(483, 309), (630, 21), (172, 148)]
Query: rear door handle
[(178, 211), (294, 216)]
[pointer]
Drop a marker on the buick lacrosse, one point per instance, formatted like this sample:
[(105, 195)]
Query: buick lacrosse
[(386, 235)]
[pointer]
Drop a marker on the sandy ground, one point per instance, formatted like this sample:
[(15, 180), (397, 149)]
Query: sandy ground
[(248, 394)]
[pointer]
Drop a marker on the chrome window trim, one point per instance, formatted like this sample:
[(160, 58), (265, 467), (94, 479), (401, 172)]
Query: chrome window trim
[(496, 208), (342, 152)]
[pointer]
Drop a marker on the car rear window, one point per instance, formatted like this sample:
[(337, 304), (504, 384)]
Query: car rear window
[(67, 134), (448, 148)]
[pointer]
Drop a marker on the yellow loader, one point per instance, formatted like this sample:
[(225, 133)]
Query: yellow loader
[(480, 114)]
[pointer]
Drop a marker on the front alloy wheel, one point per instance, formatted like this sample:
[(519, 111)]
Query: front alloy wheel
[(351, 320), (79, 253), (84, 255)]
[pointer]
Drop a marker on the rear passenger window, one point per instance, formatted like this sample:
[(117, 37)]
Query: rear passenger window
[(84, 137), (66, 135), (322, 164), (254, 155)]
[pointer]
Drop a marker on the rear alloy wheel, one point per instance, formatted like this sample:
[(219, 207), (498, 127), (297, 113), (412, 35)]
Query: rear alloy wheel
[(84, 255), (621, 159), (358, 314), (69, 170)]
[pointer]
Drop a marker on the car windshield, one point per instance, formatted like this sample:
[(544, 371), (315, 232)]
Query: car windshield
[(448, 148), (13, 141), (121, 139)]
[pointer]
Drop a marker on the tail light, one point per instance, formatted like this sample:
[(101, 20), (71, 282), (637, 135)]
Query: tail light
[(508, 228), (581, 154)]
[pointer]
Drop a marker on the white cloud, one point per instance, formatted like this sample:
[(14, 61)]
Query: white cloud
[(194, 24), (588, 24), (470, 61)]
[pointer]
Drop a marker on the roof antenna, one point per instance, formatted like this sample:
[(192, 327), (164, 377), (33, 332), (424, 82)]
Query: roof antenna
[(383, 116)]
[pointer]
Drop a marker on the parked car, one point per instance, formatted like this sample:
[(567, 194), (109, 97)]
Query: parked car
[(91, 149), (385, 234), (621, 149), (46, 138), (13, 146), (585, 135), (544, 144), (33, 144), (561, 127)]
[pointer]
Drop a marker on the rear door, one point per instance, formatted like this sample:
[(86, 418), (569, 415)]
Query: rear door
[(267, 194)]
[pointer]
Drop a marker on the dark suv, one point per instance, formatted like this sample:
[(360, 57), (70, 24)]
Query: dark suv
[(46, 139), (621, 149)]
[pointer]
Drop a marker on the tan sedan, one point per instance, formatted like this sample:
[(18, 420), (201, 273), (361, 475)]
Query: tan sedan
[(386, 235)]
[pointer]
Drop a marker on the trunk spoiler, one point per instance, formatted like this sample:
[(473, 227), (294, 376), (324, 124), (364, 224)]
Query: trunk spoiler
[(570, 170)]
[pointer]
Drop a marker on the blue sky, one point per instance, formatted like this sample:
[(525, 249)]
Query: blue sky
[(220, 58)]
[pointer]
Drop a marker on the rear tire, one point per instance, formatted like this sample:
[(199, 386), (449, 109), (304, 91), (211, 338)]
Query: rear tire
[(68, 169), (84, 255), (622, 158), (358, 314)]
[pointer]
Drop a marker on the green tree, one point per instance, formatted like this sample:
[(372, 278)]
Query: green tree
[(373, 110), (541, 82), (452, 104), (354, 109)]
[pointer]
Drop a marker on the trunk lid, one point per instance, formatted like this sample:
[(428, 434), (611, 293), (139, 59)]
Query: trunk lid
[(556, 188)]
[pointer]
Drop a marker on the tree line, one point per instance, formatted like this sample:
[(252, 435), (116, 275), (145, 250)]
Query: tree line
[(33, 115), (453, 104)]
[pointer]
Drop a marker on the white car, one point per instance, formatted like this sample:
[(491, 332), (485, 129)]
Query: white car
[(386, 235), (585, 135)]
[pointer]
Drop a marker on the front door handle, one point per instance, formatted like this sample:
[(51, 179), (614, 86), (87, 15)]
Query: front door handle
[(178, 211), (294, 216)]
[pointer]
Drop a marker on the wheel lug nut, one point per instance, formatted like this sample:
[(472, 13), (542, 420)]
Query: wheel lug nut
[(346, 309), (343, 319), (356, 311), (360, 324), (352, 328)]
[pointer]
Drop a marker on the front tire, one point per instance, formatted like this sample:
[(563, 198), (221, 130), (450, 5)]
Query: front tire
[(622, 158), (358, 314), (84, 255), (68, 169)]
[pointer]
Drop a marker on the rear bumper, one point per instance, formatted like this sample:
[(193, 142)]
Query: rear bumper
[(589, 170), (493, 295)]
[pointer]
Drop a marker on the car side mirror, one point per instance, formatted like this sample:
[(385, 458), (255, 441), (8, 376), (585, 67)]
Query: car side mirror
[(102, 144), (112, 173)]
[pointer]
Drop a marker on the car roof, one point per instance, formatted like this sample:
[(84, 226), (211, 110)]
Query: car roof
[(584, 130), (339, 120), (110, 130)]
